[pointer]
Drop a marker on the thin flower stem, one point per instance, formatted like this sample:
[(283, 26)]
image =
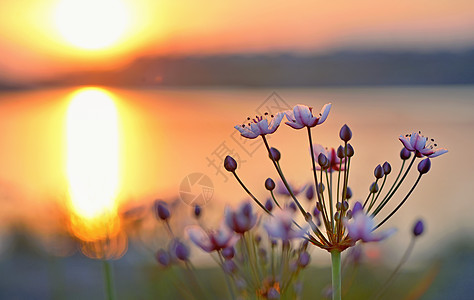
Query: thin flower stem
[(274, 199), (395, 271), (250, 194), (342, 214), (325, 212), (331, 204), (339, 179), (378, 194), (390, 195), (108, 280), (336, 275), (283, 178), (226, 276), (401, 203), (316, 185), (251, 262)]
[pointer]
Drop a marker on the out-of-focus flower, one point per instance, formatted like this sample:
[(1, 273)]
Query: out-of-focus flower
[(163, 257), (330, 153), (304, 259), (280, 226), (282, 190), (302, 116), (260, 125), (228, 253), (179, 250), (418, 228), (310, 192), (161, 210), (212, 240), (197, 211), (361, 226), (419, 144), (242, 219)]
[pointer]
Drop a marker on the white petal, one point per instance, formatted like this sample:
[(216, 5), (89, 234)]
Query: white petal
[(199, 237), (406, 143), (324, 113), (245, 132)]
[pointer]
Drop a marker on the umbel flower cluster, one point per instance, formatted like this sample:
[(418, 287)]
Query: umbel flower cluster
[(262, 254), (332, 222)]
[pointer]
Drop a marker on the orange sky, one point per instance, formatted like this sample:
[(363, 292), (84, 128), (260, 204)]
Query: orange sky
[(32, 44)]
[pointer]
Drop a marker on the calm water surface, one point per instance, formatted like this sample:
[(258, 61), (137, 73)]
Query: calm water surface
[(168, 134)]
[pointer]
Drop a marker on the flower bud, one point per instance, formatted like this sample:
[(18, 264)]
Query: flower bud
[(310, 192), (348, 193), (418, 228), (340, 152), (181, 251), (303, 259), (316, 211), (197, 211), (269, 184), (321, 187), (229, 266), (374, 188), (405, 154), (161, 210), (387, 168), (337, 215), (318, 206), (338, 206), (269, 204), (345, 133), (345, 205), (322, 160), (258, 238), (230, 164), (275, 154), (349, 151), (163, 257), (349, 214), (378, 172), (228, 252), (424, 166)]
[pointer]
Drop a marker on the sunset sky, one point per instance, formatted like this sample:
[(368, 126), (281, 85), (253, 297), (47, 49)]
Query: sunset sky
[(42, 38)]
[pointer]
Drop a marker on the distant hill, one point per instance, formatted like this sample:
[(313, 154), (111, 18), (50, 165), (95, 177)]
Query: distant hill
[(335, 69)]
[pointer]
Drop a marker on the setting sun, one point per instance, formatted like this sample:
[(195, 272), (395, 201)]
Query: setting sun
[(91, 24), (92, 161)]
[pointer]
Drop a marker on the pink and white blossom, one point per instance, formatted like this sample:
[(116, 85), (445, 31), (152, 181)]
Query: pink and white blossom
[(302, 116), (212, 240), (330, 153), (361, 226), (419, 144), (280, 226), (260, 125), (242, 219)]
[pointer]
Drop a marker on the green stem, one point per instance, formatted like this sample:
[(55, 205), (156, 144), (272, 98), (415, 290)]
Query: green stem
[(108, 280), (336, 275)]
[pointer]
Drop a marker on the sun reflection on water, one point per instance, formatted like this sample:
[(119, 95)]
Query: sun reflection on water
[(92, 139)]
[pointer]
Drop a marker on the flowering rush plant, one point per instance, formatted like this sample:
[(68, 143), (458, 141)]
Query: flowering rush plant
[(262, 254), (332, 222)]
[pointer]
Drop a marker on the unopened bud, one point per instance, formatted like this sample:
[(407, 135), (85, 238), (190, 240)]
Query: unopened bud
[(349, 151), (348, 193), (303, 259), (387, 168), (318, 206), (230, 164), (163, 257), (374, 188), (229, 266), (345, 205), (316, 211), (310, 192), (161, 210), (340, 152), (338, 206), (322, 160), (378, 172), (418, 228), (345, 133), (336, 216), (269, 184), (349, 214), (197, 211), (424, 166), (357, 207), (228, 253), (275, 154), (292, 206), (405, 154), (269, 204), (321, 187), (181, 251)]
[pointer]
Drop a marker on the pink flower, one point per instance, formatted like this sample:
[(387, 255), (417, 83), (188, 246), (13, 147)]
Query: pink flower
[(361, 226), (213, 240), (280, 226), (330, 153), (260, 125), (421, 146), (282, 190), (242, 219), (302, 116)]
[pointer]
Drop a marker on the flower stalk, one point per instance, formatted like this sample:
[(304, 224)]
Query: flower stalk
[(108, 280), (336, 275)]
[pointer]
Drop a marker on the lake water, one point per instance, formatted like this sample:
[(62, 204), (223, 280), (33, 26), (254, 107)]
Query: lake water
[(168, 134)]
